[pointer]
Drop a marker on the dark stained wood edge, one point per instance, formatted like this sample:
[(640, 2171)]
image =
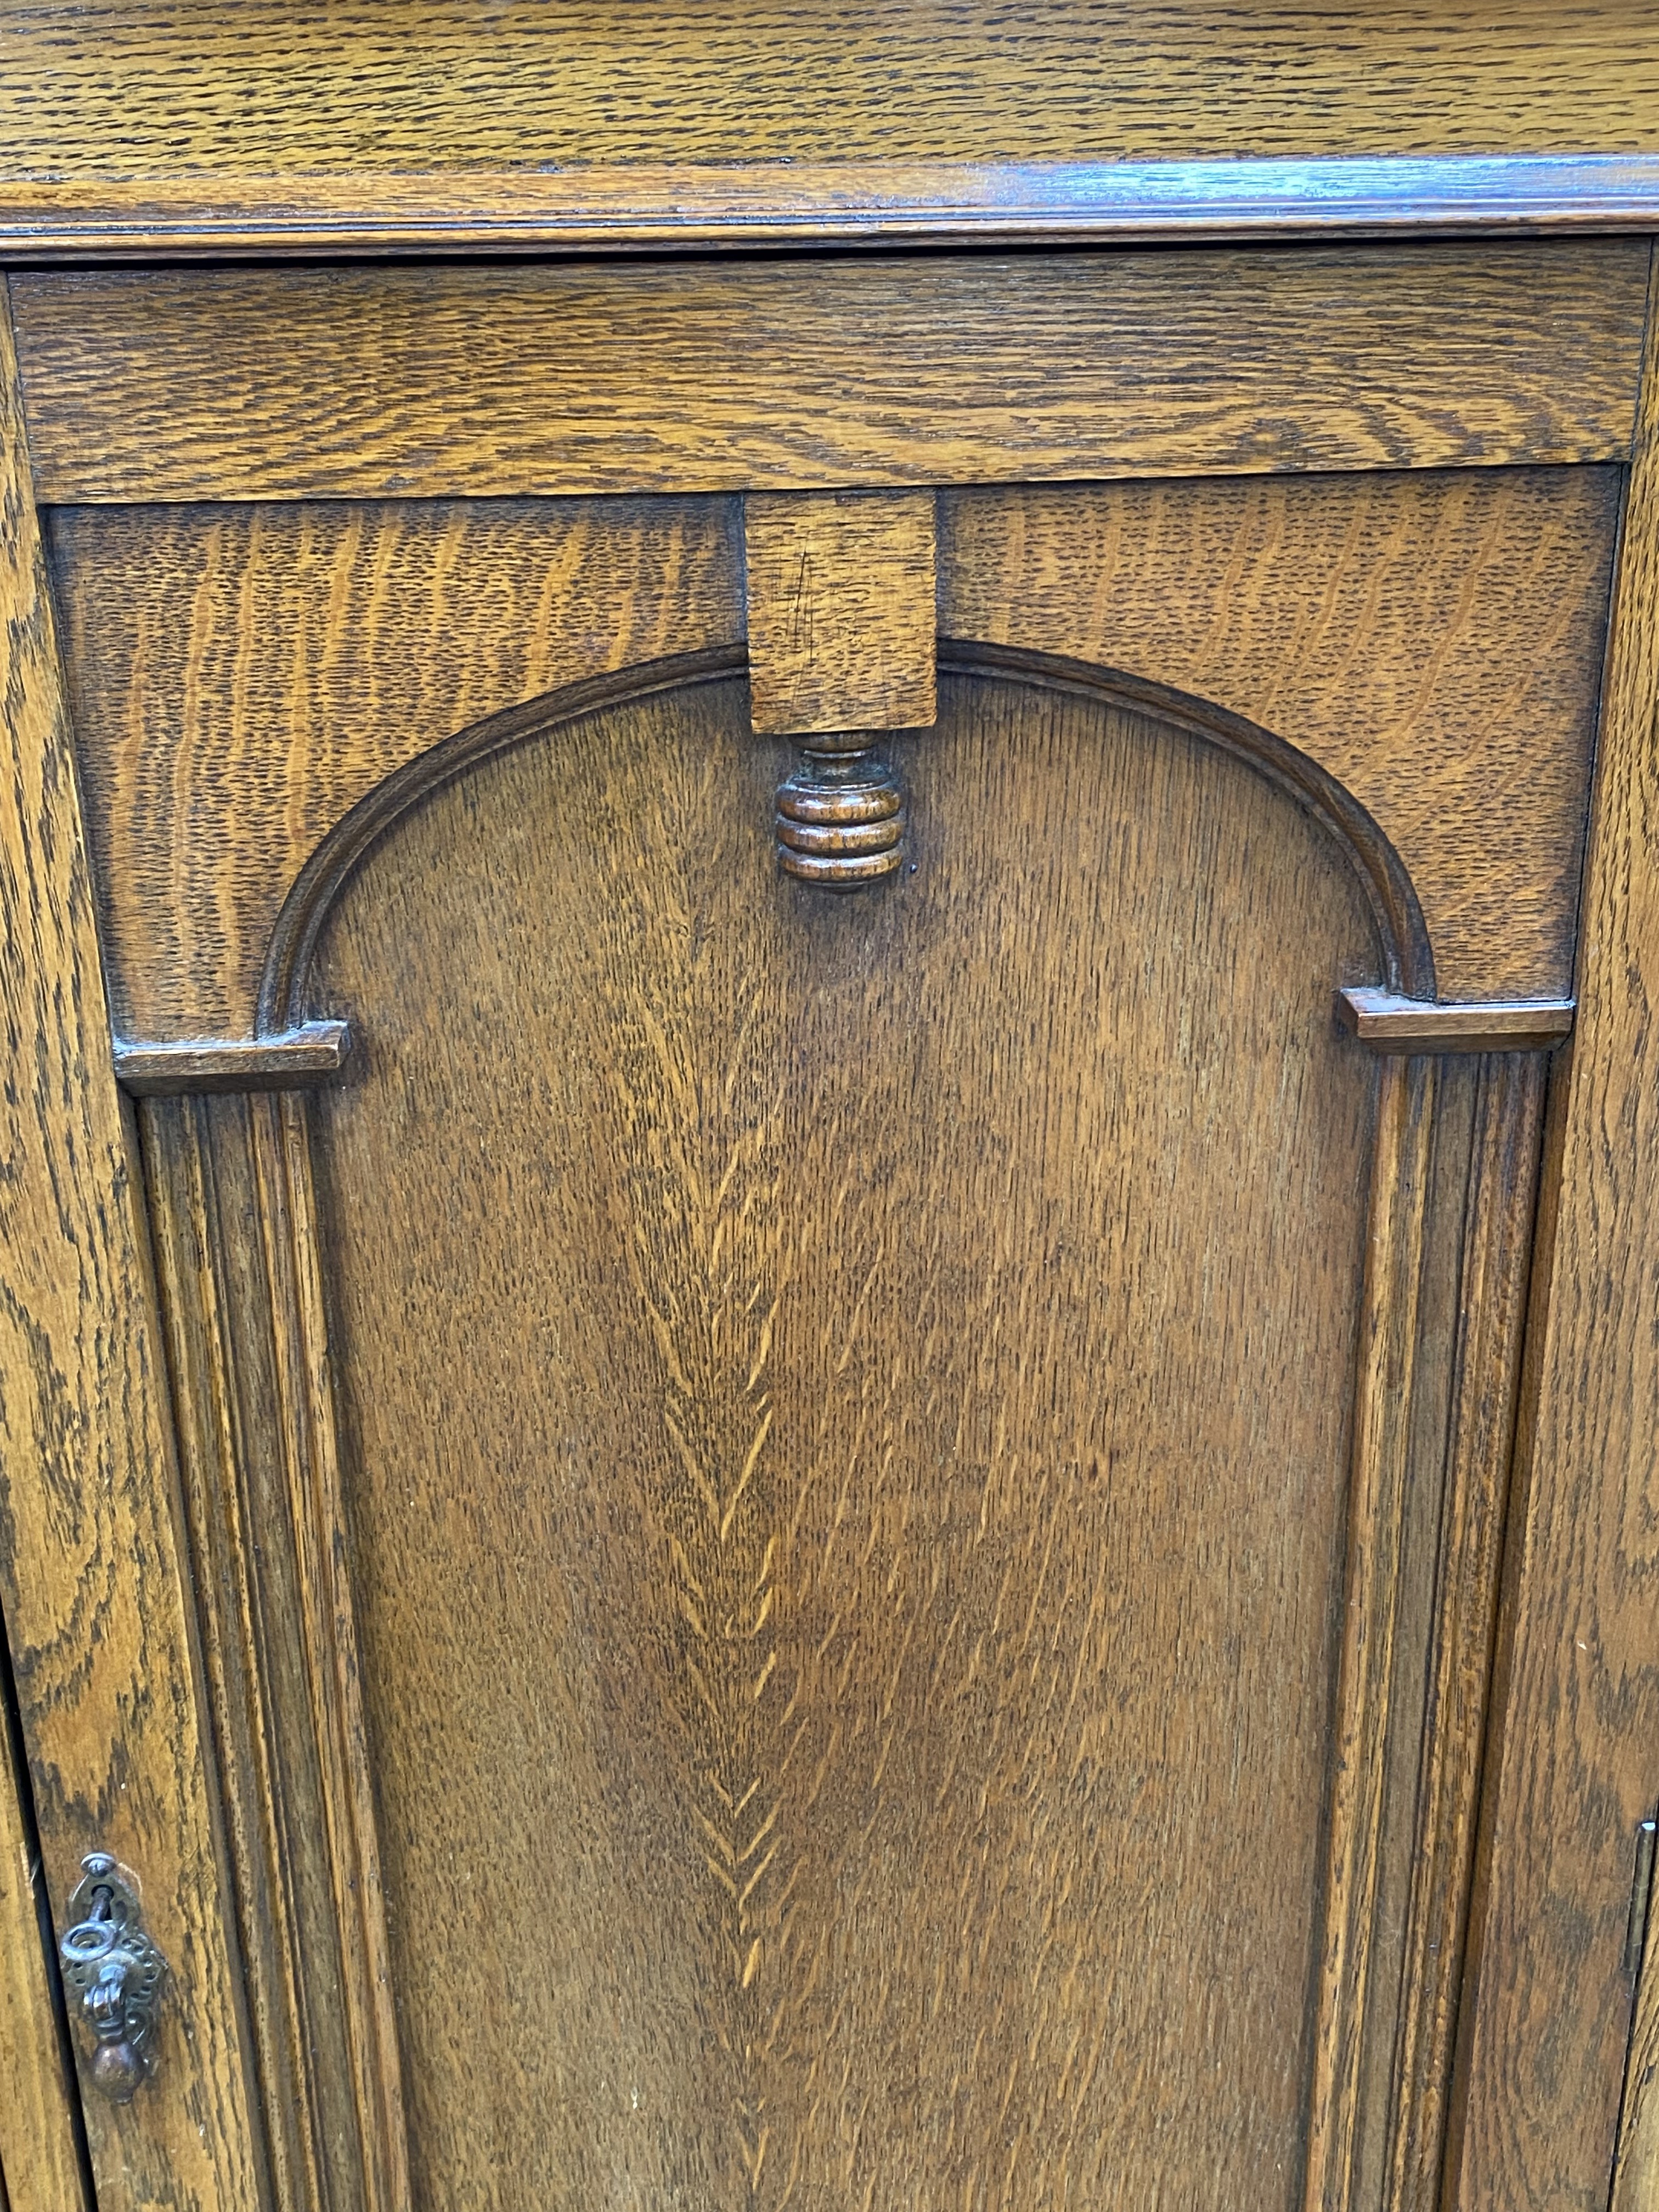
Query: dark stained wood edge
[(1389, 1022), (1494, 1272), (43, 2164), (289, 1060), (655, 208), (1399, 916)]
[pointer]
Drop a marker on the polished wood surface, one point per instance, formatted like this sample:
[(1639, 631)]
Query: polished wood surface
[(668, 763), (1486, 1324), (92, 1583), (235, 1243), (688, 207), (41, 2156), (735, 1565), (1389, 1022), (1435, 642), (242, 676), (829, 1548), (125, 87), (1387, 1350), (841, 590), (825, 372), (284, 1060), (1573, 1768)]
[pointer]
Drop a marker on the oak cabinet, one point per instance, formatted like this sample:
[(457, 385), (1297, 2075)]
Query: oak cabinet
[(828, 1243)]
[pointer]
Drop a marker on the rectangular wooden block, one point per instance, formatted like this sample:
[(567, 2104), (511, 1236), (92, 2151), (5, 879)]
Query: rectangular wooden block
[(790, 376), (1389, 1023), (842, 610)]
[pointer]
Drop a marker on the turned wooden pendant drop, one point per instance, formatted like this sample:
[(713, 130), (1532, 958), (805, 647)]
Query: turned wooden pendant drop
[(841, 816)]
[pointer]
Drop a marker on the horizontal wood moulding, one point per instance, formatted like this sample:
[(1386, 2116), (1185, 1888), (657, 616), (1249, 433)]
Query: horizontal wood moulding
[(664, 207), (291, 1059), (421, 383), (1389, 1023)]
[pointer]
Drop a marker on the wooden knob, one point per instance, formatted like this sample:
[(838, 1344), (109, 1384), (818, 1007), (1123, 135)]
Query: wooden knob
[(840, 817)]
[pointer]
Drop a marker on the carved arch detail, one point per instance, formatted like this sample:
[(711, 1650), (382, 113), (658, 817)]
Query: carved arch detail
[(1395, 907)]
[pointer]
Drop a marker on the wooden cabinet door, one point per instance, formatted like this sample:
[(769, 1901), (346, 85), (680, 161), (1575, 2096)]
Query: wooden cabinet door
[(843, 1538)]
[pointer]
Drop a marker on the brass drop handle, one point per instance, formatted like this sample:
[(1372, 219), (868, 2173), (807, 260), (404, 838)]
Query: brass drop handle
[(112, 1965)]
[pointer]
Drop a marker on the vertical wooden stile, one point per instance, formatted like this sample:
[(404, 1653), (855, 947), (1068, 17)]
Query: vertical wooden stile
[(281, 1158), (1496, 1262), (1574, 1765), (91, 1571), (1382, 1445)]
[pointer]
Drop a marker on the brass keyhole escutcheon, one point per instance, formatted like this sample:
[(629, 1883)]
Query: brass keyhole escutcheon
[(111, 1964)]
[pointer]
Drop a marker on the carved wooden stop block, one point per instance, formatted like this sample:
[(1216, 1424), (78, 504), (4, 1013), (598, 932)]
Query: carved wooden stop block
[(842, 644)]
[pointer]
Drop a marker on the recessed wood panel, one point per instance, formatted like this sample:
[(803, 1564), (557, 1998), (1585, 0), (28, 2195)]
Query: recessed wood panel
[(821, 372), (846, 1407)]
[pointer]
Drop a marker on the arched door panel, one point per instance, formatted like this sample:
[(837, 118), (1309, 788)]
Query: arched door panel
[(845, 1412)]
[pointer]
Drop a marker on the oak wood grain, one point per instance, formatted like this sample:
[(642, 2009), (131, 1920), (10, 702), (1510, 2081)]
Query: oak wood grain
[(1383, 1403), (706, 1580), (317, 1516), (824, 372), (242, 677), (688, 206), (91, 1575), (1573, 1767), (224, 1213), (841, 591), (1406, 1856), (1389, 1023), (125, 87), (41, 2164), (1435, 642), (1491, 1299), (209, 1268), (286, 1060)]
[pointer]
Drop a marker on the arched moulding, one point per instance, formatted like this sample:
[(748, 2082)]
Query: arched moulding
[(307, 907), (1408, 959), (1394, 902)]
